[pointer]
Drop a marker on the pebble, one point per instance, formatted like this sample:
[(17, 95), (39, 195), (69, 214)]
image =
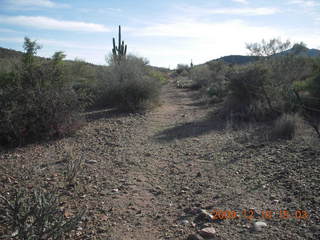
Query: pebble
[(115, 190), (208, 232), (259, 225), (91, 161), (184, 222)]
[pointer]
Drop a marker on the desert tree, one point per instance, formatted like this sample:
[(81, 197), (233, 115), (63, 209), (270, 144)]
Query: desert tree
[(268, 48)]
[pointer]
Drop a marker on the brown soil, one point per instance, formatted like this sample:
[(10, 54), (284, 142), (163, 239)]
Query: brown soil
[(152, 171)]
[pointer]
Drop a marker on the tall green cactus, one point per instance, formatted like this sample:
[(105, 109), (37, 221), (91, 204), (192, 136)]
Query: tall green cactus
[(119, 52)]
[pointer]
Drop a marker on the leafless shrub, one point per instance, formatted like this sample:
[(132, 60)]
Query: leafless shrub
[(284, 127)]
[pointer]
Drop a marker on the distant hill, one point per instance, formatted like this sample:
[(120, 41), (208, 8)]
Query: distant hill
[(6, 53), (314, 52), (239, 59), (302, 51), (9, 53)]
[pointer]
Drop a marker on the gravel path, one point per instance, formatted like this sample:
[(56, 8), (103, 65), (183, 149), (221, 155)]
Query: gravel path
[(149, 176)]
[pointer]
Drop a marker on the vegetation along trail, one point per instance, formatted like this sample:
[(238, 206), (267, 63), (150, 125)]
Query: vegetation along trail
[(161, 174)]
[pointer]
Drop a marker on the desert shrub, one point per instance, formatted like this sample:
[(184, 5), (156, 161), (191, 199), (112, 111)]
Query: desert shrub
[(217, 87), (35, 215), (211, 80), (284, 72), (247, 98), (86, 94), (31, 114), (308, 97), (182, 69), (285, 68), (8, 64), (284, 127), (36, 100), (159, 76), (129, 85), (201, 76)]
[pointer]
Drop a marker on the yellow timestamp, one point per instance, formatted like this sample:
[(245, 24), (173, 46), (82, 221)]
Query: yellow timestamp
[(251, 214)]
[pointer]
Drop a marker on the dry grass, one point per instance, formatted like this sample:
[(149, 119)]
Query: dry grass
[(73, 164), (284, 127)]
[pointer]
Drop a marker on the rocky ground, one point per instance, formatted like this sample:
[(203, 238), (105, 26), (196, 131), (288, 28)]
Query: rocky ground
[(176, 172)]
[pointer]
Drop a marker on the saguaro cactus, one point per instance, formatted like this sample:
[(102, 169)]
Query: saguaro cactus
[(119, 52)]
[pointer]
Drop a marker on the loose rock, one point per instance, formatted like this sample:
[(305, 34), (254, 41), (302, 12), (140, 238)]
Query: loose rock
[(208, 232), (184, 222), (91, 161), (258, 226)]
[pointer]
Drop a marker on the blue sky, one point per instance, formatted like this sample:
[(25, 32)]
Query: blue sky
[(166, 32)]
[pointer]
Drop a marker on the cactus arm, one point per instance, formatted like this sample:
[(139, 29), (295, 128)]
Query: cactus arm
[(114, 47), (119, 46)]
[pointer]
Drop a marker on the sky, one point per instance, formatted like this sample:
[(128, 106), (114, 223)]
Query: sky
[(166, 32)]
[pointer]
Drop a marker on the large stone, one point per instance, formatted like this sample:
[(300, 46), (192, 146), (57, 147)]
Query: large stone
[(208, 232), (258, 226)]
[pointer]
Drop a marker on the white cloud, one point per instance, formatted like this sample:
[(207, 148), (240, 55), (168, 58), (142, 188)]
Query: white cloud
[(94, 54), (261, 11), (55, 43), (41, 22), (204, 41), (241, 1), (245, 11), (22, 4), (305, 3), (6, 30), (181, 40), (197, 29), (11, 39), (100, 10)]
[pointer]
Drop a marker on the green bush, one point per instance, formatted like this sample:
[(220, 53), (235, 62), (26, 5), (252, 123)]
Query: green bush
[(30, 114), (35, 215), (182, 69), (129, 85), (36, 101), (308, 97), (217, 87), (247, 98), (159, 76), (201, 76)]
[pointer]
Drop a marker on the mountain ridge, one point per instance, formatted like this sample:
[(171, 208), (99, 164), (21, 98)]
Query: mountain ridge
[(242, 59)]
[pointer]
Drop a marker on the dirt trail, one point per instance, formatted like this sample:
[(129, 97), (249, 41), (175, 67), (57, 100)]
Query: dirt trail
[(144, 176), (178, 158), (157, 159)]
